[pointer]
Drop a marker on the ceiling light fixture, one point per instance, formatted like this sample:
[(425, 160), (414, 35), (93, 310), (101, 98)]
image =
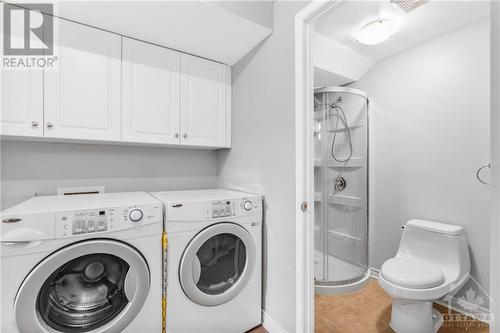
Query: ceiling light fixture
[(376, 32)]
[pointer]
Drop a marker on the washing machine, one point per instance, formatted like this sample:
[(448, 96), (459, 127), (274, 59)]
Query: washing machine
[(82, 263), (213, 260)]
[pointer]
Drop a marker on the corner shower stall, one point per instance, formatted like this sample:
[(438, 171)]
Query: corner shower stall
[(341, 261)]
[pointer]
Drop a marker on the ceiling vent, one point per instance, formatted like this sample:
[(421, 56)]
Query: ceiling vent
[(408, 5)]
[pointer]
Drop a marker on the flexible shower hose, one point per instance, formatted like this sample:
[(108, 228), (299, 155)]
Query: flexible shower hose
[(339, 111)]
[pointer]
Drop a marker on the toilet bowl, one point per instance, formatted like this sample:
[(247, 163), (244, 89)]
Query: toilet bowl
[(432, 261)]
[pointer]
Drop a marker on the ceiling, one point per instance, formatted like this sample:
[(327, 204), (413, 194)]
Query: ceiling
[(430, 20), (203, 28)]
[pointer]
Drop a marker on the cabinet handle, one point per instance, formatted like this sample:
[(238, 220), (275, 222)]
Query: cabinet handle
[(176, 135), (184, 135), (34, 123), (50, 125)]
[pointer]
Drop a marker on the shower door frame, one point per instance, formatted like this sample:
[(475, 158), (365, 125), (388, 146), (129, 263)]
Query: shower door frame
[(304, 159), (345, 286)]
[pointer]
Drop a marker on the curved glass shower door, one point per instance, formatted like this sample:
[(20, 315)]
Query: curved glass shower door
[(341, 190)]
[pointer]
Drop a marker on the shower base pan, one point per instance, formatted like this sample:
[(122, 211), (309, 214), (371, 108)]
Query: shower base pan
[(343, 276)]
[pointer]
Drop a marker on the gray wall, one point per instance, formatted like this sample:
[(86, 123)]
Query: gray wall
[(262, 158), (33, 167), (430, 126)]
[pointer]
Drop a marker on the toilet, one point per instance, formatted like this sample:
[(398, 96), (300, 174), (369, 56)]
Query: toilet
[(432, 261)]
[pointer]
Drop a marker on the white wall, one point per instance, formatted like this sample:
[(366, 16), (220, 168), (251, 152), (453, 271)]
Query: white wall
[(260, 12), (30, 167), (495, 164), (430, 117), (263, 155), (332, 57)]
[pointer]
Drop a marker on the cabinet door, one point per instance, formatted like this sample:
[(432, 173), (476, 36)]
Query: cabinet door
[(204, 102), (151, 94), (82, 97), (21, 101)]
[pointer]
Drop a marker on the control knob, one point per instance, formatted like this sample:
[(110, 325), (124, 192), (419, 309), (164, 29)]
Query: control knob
[(135, 215), (247, 205)]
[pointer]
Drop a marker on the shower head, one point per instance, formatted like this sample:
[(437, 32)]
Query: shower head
[(337, 102), (408, 5)]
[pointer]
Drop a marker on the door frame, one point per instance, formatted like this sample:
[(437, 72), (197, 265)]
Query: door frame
[(495, 167), (304, 90), (304, 171)]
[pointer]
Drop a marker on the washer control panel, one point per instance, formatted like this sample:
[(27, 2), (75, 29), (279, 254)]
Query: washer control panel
[(90, 221)]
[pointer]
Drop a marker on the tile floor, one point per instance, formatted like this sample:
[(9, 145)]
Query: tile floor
[(369, 311), (258, 329)]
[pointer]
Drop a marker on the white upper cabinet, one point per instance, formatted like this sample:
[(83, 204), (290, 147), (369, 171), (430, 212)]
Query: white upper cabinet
[(22, 102), (82, 96), (205, 102), (151, 94), (106, 87)]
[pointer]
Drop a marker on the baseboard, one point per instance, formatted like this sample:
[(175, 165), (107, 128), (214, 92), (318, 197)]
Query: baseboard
[(375, 273), (270, 324)]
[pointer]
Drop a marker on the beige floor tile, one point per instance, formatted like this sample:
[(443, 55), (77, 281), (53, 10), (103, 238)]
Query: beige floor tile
[(369, 311)]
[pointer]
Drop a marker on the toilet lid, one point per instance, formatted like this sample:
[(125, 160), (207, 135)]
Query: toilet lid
[(412, 273)]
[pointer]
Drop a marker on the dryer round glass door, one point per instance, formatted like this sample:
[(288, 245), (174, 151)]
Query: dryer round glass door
[(217, 264), (86, 286)]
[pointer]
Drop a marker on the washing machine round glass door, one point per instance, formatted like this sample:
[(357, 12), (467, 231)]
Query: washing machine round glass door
[(217, 264), (95, 284)]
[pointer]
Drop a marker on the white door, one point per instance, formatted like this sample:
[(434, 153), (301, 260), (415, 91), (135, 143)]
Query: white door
[(96, 285), (205, 89), (151, 94), (217, 264), (82, 97), (21, 101)]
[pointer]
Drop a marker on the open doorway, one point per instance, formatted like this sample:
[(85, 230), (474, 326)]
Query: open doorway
[(400, 131)]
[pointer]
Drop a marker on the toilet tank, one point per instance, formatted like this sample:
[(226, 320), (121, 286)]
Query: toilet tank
[(439, 243)]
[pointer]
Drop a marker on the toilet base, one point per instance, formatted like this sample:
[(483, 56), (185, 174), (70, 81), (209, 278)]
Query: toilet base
[(414, 317)]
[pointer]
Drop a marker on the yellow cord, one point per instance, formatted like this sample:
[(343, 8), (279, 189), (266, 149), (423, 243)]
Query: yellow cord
[(164, 313), (164, 245)]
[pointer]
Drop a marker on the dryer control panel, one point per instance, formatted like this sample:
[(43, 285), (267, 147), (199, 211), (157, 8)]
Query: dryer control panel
[(213, 209), (82, 222), (223, 208), (233, 208)]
